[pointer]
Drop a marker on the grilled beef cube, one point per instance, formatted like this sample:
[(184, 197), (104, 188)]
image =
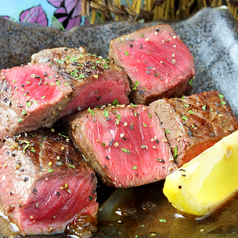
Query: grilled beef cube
[(45, 183), (157, 62), (126, 146), (194, 123), (32, 96), (95, 81)]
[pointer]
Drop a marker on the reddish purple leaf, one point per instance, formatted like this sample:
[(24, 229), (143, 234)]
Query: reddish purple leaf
[(75, 6), (6, 17), (34, 15), (73, 22), (56, 3), (62, 16)]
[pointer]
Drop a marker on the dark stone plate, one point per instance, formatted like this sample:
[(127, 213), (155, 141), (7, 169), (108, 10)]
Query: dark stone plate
[(211, 35)]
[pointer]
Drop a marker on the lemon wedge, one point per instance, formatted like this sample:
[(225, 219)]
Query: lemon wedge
[(203, 184)]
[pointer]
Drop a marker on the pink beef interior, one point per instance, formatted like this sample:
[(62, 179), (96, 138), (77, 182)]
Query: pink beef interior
[(109, 86), (36, 84), (56, 202), (158, 60), (130, 146)]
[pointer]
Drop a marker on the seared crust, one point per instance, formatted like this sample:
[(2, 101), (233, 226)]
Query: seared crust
[(74, 64), (195, 123)]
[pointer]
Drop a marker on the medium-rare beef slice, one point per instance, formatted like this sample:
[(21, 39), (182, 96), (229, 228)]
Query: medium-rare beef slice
[(45, 183), (157, 62), (32, 96), (125, 145), (95, 81), (194, 123)]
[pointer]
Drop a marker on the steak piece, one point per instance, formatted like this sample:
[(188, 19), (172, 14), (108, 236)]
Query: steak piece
[(126, 146), (157, 62), (45, 183), (194, 123), (95, 81), (32, 96)]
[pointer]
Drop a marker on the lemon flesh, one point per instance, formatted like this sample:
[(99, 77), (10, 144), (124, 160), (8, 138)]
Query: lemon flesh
[(203, 184)]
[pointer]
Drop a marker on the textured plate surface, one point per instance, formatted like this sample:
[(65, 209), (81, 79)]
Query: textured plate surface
[(211, 35)]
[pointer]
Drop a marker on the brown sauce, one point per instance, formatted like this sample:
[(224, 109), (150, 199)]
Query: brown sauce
[(145, 212)]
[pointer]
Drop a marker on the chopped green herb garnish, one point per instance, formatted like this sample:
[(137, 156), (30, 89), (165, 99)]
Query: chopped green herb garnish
[(141, 35), (115, 102), (96, 91), (204, 107), (118, 116), (66, 84), (167, 131), (19, 120), (98, 62), (105, 66), (184, 118), (42, 97), (23, 112), (58, 83), (134, 167), (133, 105), (191, 112), (144, 124), (103, 144), (126, 53), (28, 104), (71, 166), (62, 135), (73, 59), (186, 105), (33, 150), (223, 103), (60, 61), (106, 114), (13, 80), (91, 111), (50, 170), (175, 151), (162, 220), (136, 84), (150, 116), (220, 96), (82, 76), (125, 150), (190, 82), (28, 82)]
